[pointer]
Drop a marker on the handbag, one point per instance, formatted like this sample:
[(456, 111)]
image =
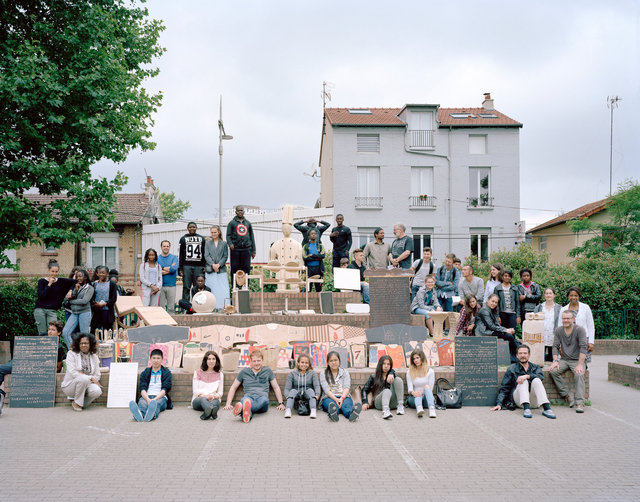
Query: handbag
[(450, 397), (303, 408)]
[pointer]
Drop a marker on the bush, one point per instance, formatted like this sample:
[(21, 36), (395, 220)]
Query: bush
[(18, 302)]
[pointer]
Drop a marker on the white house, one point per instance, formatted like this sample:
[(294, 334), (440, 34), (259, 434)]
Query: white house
[(451, 175)]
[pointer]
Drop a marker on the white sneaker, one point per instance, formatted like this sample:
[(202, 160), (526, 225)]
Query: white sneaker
[(313, 413), (400, 410), (432, 412), (287, 413), (420, 411), (386, 413)]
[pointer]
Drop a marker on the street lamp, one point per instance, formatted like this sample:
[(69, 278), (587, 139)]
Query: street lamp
[(222, 136)]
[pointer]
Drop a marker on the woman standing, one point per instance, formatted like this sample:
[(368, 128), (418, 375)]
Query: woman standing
[(509, 301), (216, 254), (104, 300), (50, 294), (82, 380), (386, 389), (583, 315), (80, 302), (551, 311), (302, 382), (493, 281), (335, 382), (487, 325), (208, 386), (467, 322), (150, 278), (420, 380)]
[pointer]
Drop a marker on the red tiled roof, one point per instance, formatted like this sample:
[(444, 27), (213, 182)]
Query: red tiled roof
[(388, 117), (131, 208), (581, 213)]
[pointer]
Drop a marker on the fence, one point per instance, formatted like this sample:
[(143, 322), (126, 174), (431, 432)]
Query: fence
[(617, 323)]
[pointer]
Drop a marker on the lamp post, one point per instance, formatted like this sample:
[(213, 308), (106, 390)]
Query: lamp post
[(221, 136)]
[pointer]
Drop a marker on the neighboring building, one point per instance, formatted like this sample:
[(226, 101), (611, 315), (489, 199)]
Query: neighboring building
[(451, 175), (267, 228), (121, 248), (556, 237)]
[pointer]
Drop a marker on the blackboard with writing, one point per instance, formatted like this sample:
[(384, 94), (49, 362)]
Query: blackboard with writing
[(477, 369), (389, 300), (33, 378)]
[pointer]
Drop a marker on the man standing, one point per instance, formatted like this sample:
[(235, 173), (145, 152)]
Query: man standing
[(447, 278), (191, 262), (241, 242), (341, 237), (572, 340), (401, 248), (313, 256), (376, 253), (169, 264), (522, 384), (358, 264), (421, 268), (470, 285), (311, 224)]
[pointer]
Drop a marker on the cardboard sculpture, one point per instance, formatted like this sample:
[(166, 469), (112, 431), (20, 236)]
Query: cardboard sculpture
[(533, 336), (358, 355), (127, 304), (445, 352), (155, 316), (287, 251), (319, 354), (438, 324), (431, 352), (275, 334), (284, 356), (203, 302)]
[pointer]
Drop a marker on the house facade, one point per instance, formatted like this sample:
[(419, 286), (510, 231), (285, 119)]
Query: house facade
[(450, 175)]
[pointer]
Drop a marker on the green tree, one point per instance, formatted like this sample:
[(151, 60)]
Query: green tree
[(623, 230), (71, 94), (172, 208)]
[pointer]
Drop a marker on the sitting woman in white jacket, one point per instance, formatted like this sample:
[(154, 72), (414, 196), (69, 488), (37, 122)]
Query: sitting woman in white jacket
[(208, 386), (82, 380)]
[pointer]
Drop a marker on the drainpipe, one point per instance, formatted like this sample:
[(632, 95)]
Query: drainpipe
[(135, 255)]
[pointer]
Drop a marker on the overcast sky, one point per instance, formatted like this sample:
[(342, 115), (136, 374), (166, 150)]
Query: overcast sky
[(548, 64)]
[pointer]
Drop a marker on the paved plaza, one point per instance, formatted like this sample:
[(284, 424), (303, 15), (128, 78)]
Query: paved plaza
[(468, 454)]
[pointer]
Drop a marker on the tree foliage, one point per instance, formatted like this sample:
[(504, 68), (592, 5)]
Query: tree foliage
[(71, 75), (173, 208), (622, 232)]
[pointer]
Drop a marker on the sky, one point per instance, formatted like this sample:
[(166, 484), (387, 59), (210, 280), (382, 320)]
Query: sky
[(550, 65)]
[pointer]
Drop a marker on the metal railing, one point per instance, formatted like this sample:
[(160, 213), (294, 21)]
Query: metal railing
[(482, 201), (420, 138), (422, 201), (623, 323), (368, 201)]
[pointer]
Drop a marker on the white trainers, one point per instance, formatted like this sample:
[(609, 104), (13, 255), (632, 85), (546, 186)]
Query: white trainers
[(287, 413), (400, 410), (386, 413), (313, 413), (432, 412), (420, 411)]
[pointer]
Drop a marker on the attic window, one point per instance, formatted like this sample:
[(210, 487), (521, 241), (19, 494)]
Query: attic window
[(360, 111), (462, 115), (487, 115)]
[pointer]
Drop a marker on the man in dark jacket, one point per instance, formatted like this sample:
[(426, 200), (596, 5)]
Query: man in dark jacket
[(311, 224), (522, 385), (241, 242), (155, 384), (191, 260), (341, 237)]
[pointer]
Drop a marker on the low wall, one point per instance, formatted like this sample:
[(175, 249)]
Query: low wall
[(626, 374), (616, 347)]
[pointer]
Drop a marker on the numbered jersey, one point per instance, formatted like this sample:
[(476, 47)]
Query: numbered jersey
[(191, 250)]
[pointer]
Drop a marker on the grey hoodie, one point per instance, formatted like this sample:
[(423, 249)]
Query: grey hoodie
[(80, 299), (300, 382)]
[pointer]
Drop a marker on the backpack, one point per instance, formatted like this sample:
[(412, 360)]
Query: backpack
[(420, 265)]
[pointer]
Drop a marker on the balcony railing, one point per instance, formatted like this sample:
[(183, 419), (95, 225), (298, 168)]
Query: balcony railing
[(420, 138), (372, 202), (422, 201), (482, 201)]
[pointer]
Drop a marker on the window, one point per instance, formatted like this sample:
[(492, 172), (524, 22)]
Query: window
[(487, 115), (363, 237), (50, 250), (13, 259), (103, 250), (359, 111), (480, 243), (421, 121), (420, 130), (462, 115), (421, 181), (368, 191), (477, 144), (479, 187), (421, 239), (368, 143), (543, 243)]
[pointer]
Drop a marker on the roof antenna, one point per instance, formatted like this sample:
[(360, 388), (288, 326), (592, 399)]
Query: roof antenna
[(327, 87)]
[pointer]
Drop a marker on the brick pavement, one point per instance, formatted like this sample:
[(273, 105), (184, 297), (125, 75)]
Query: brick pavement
[(468, 454)]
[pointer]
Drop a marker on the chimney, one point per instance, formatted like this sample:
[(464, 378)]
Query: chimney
[(487, 104), (149, 187)]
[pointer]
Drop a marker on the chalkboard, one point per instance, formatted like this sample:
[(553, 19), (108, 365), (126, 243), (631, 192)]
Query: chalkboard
[(326, 302), (158, 334), (397, 334), (244, 301), (140, 354), (33, 378), (390, 300), (504, 356), (477, 369)]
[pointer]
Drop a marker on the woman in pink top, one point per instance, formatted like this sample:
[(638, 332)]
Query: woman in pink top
[(208, 386)]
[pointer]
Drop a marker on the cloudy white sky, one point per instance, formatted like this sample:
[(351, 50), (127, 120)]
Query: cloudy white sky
[(548, 64)]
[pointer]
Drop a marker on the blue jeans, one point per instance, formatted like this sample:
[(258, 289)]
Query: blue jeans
[(414, 291), (423, 312), (365, 291), (84, 320), (259, 403), (162, 405), (5, 369), (347, 406), (427, 399), (446, 304)]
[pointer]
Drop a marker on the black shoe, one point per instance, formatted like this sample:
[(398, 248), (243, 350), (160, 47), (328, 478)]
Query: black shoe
[(214, 413), (333, 411), (357, 408), (3, 394)]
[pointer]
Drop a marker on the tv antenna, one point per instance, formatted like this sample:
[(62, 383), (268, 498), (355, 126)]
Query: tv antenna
[(327, 87), (612, 103), (312, 173)]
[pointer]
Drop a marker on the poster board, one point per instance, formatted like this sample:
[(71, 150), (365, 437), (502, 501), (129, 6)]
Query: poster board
[(346, 278), (158, 334), (123, 380), (477, 369), (33, 378), (155, 316)]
